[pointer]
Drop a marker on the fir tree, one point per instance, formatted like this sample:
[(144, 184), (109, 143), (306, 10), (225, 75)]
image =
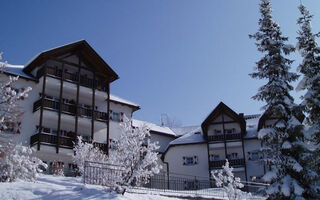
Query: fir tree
[(310, 68), (283, 144)]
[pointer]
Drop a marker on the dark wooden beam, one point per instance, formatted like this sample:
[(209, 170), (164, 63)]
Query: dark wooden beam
[(77, 100), (60, 108), (93, 105), (108, 114), (224, 134), (41, 106)]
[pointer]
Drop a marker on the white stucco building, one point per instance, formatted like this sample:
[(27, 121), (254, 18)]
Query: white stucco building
[(71, 97)]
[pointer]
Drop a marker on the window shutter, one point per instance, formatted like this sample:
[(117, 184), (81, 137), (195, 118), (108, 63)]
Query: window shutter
[(184, 160), (121, 116), (195, 160), (250, 155), (110, 114)]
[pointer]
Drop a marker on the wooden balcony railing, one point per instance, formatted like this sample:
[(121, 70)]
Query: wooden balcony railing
[(233, 162), (69, 109), (73, 77), (227, 136), (64, 142)]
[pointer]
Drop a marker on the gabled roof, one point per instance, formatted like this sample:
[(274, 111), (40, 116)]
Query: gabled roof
[(223, 108), (268, 115), (82, 48)]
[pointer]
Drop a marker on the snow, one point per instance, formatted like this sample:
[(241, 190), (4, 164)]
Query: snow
[(16, 70), (252, 122), (179, 131), (153, 127), (195, 136), (51, 187), (124, 101)]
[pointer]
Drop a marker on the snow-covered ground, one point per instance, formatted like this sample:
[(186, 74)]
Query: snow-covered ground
[(51, 187)]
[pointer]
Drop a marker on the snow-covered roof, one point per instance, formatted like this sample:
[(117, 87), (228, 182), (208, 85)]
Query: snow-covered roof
[(124, 101), (153, 127), (184, 130), (252, 122), (16, 70), (192, 137)]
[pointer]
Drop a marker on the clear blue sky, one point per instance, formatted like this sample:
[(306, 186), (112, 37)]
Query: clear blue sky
[(180, 57)]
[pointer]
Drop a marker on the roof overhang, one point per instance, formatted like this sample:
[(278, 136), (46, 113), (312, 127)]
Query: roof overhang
[(82, 48)]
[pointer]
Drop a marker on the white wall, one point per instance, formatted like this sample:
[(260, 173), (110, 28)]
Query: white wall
[(174, 156)]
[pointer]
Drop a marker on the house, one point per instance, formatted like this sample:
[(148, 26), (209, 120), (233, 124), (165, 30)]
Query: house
[(223, 134)]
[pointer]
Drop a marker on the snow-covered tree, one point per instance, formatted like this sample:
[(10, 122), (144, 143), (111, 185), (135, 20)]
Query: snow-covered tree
[(285, 151), (85, 151), (136, 155), (231, 185), (17, 162), (10, 112), (310, 68)]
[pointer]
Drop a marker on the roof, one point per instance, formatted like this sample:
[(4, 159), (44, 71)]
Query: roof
[(117, 99), (252, 122), (179, 131), (192, 137), (81, 48), (16, 70), (222, 108), (153, 127)]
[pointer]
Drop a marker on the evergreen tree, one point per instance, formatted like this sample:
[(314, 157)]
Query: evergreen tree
[(310, 68), (285, 152)]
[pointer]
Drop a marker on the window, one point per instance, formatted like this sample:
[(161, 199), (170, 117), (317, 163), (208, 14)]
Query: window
[(254, 155), (229, 131), (190, 160), (232, 156), (214, 157), (218, 132), (115, 116)]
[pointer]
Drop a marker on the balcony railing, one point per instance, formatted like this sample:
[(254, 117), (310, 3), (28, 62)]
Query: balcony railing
[(73, 77), (228, 136), (64, 142), (233, 162), (69, 109)]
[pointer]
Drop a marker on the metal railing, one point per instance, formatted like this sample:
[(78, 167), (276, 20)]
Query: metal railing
[(166, 184), (56, 72), (222, 137), (69, 109), (65, 142), (233, 162)]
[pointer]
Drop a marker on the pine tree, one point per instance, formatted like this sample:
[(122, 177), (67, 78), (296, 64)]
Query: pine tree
[(231, 185), (283, 144), (310, 68)]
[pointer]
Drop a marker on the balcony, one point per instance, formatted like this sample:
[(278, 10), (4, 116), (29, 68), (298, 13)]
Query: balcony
[(228, 136), (56, 72), (64, 142), (68, 108), (233, 162)]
